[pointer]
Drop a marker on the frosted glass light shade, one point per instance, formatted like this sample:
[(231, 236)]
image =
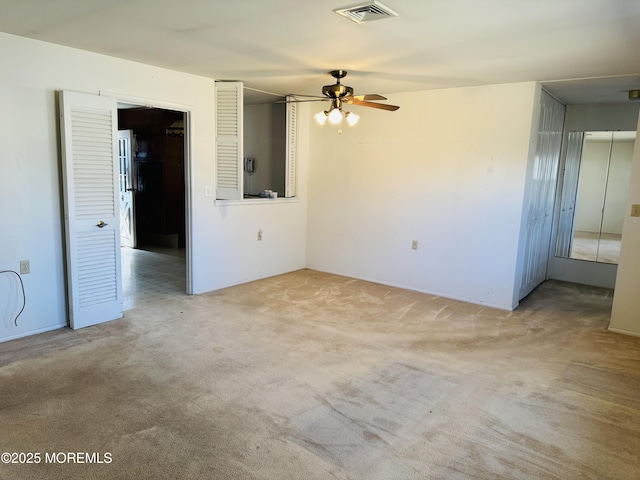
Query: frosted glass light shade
[(321, 117), (335, 116)]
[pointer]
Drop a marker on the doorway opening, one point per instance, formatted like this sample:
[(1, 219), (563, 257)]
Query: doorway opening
[(153, 200)]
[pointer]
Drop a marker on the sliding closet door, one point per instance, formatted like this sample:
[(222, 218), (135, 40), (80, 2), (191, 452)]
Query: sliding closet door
[(542, 194)]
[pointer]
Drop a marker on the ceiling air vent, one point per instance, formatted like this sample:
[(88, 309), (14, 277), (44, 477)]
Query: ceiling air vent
[(366, 12)]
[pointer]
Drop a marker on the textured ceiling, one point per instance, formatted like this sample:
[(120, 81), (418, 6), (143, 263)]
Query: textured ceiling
[(288, 46)]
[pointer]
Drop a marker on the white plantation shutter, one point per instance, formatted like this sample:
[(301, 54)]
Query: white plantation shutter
[(229, 140), (291, 166), (90, 175)]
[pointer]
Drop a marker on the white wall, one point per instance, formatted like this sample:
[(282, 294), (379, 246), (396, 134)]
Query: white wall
[(223, 236), (625, 314), (448, 169)]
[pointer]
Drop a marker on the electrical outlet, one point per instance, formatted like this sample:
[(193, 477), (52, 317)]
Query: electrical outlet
[(260, 235), (25, 267), (414, 245), (635, 210)]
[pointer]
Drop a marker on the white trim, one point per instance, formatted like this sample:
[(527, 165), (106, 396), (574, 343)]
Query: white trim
[(34, 332), (188, 202), (420, 290), (147, 102), (553, 96), (624, 332), (255, 201)]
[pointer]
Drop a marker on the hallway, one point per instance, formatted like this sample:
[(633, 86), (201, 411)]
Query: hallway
[(153, 275)]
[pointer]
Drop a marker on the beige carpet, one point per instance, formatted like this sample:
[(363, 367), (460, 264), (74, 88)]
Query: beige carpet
[(316, 376)]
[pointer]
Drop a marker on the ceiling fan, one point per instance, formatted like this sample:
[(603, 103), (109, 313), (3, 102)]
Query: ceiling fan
[(339, 95)]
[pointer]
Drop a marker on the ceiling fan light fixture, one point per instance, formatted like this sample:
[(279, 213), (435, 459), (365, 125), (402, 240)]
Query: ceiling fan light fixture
[(352, 118), (321, 117), (341, 95), (335, 116)]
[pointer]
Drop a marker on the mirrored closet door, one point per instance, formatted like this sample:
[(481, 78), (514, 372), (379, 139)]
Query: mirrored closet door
[(594, 195)]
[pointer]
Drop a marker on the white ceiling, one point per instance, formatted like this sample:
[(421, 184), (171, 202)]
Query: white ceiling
[(288, 46)]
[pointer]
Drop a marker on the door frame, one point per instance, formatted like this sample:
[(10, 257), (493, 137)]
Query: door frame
[(188, 174)]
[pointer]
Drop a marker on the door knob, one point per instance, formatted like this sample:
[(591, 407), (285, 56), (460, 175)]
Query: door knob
[(101, 224)]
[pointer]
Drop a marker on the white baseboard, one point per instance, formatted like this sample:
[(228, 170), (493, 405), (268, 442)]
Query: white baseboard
[(624, 332), (33, 332)]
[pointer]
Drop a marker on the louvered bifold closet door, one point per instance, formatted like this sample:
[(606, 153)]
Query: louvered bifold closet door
[(541, 197), (90, 175), (229, 140), (292, 150)]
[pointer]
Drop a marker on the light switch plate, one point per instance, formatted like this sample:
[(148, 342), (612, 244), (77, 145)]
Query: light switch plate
[(635, 210)]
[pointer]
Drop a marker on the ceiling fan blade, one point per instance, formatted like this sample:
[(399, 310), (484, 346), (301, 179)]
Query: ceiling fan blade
[(371, 96), (362, 103), (305, 95), (306, 100)]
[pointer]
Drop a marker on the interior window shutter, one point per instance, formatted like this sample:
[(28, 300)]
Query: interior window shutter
[(229, 140), (292, 164)]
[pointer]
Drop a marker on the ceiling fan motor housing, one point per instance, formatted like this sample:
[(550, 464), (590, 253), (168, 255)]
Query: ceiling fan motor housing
[(340, 94), (337, 91)]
